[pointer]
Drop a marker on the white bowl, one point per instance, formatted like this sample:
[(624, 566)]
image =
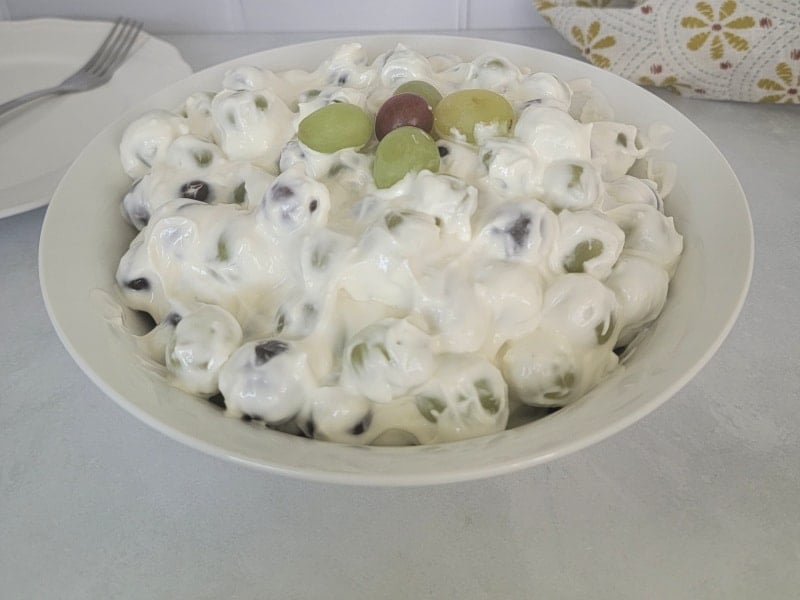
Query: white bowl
[(83, 237)]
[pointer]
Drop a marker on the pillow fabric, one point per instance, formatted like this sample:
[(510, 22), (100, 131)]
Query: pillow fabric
[(745, 50)]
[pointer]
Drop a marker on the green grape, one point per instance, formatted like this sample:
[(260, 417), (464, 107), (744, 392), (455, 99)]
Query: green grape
[(222, 250), (584, 251), (563, 383), (334, 127), (240, 193), (430, 407), (423, 89), (575, 174), (459, 113), (358, 355), (486, 396), (403, 150), (203, 158), (602, 332), (393, 220)]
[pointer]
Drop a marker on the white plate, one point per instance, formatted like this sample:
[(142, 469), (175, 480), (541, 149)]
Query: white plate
[(40, 140), (83, 237)]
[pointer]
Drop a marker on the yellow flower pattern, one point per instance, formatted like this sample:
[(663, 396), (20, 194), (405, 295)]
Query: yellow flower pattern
[(542, 5), (744, 50), (670, 83), (717, 28), (786, 87), (588, 43)]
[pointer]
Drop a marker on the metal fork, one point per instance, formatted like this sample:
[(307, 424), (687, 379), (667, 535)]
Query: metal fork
[(97, 70)]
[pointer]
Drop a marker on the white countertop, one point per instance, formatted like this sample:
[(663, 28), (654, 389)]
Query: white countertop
[(698, 500)]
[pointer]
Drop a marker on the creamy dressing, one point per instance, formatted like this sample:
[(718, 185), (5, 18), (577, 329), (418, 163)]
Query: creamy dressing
[(425, 312)]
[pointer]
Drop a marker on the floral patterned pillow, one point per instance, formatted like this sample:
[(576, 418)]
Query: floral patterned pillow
[(746, 50)]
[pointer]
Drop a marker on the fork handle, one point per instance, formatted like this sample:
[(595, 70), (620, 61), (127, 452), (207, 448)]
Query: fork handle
[(12, 104)]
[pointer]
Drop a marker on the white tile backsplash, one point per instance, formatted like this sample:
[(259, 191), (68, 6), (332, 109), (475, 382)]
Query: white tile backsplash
[(200, 16), (159, 16), (350, 15), (503, 14)]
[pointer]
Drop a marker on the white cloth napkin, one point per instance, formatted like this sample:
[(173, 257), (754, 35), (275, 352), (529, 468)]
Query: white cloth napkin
[(745, 50)]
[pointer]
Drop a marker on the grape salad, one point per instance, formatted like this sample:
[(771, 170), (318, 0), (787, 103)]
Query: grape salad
[(400, 250)]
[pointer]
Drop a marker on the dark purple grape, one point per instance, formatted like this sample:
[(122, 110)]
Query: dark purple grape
[(401, 110), (266, 350), (195, 190), (135, 206), (519, 230), (140, 283), (280, 193), (362, 425)]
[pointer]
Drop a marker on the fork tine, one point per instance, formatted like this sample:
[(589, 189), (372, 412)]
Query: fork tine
[(120, 48), (128, 44), (101, 50)]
